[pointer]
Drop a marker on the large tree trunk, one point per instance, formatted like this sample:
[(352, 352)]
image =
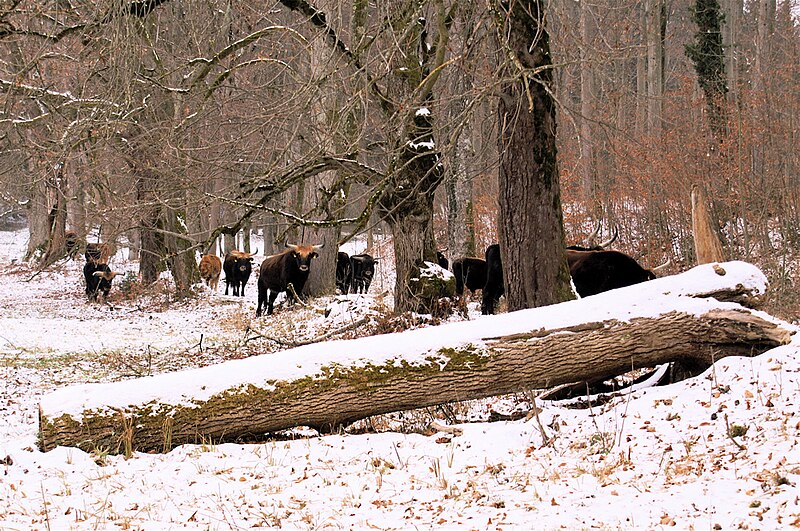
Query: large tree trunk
[(531, 225), (332, 384)]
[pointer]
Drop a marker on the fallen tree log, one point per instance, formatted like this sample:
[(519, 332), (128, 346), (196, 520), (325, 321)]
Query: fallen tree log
[(330, 384)]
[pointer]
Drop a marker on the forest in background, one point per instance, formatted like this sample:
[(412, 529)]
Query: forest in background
[(174, 126)]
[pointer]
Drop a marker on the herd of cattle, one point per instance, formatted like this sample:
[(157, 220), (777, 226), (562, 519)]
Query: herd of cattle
[(594, 270)]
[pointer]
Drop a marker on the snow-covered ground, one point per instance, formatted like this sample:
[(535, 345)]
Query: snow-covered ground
[(654, 459)]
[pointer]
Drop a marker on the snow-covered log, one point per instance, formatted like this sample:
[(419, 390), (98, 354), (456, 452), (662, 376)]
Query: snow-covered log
[(333, 383)]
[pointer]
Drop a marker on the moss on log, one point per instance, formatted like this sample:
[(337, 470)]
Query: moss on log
[(341, 394)]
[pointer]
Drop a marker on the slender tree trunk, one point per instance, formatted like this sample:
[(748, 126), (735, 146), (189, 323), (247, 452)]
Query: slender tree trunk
[(56, 189), (151, 239), (588, 167), (654, 15), (531, 225), (731, 35)]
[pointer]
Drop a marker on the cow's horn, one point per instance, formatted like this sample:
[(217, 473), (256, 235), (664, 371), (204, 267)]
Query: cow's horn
[(291, 246), (609, 241), (590, 239), (659, 269), (318, 247)]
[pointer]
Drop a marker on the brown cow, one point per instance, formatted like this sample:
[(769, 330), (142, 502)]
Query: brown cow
[(210, 268)]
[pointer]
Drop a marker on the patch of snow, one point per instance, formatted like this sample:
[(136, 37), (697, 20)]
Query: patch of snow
[(654, 458)]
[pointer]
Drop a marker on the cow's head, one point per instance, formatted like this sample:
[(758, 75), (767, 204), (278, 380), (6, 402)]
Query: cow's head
[(303, 254), (243, 261)]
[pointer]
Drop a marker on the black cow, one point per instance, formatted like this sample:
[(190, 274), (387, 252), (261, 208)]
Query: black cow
[(344, 272), (237, 267), (441, 259), (363, 271), (98, 279), (469, 272), (594, 272), (279, 271), (494, 287)]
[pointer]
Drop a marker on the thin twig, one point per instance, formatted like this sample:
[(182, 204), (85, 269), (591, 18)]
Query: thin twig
[(535, 410), (317, 339), (728, 431)]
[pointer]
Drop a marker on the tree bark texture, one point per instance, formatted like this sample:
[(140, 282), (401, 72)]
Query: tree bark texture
[(707, 245), (531, 222), (454, 362)]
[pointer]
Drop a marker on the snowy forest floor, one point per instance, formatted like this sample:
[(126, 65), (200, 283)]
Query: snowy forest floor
[(719, 451)]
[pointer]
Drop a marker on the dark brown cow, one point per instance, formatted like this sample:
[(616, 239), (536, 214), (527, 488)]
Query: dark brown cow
[(210, 268), (494, 287), (363, 271), (278, 272), (469, 273), (237, 267), (594, 272), (98, 279)]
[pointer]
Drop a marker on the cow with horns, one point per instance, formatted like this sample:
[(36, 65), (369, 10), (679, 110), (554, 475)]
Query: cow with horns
[(363, 266), (590, 245), (285, 272), (96, 273), (237, 266), (592, 271)]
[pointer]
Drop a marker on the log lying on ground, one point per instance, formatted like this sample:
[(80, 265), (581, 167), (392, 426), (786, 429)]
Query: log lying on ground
[(334, 383)]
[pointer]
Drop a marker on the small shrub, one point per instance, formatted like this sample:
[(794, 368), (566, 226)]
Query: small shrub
[(130, 286)]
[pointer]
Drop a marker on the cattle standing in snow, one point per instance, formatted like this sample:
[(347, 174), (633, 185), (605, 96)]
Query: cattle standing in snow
[(494, 287), (210, 268), (291, 267), (237, 267), (96, 273), (594, 272), (363, 271), (441, 259), (469, 273), (97, 253), (98, 279), (344, 272)]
